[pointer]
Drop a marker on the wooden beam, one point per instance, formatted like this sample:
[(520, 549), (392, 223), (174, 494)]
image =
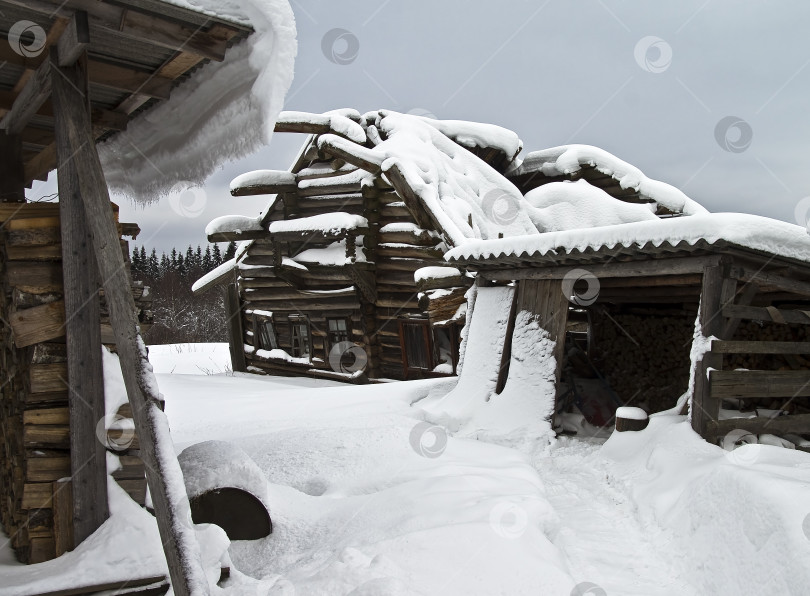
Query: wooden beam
[(763, 278), (163, 472), (75, 39), (753, 384), (760, 347), (30, 99), (82, 314), (705, 405), (12, 179), (794, 423), (771, 314), (236, 342)]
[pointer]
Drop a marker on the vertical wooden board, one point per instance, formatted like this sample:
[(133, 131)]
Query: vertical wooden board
[(549, 307), (63, 516), (12, 179), (236, 343), (83, 320)]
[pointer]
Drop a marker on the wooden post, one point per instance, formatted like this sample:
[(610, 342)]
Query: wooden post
[(88, 461), (548, 304), (705, 410), (12, 178), (236, 338), (163, 472), (63, 516)]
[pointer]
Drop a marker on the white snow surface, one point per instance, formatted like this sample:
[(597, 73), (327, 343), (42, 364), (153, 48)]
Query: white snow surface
[(559, 206), (233, 223), (212, 465), (216, 272), (435, 272), (262, 178), (336, 121), (750, 231), (479, 134), (567, 159), (335, 222), (370, 497), (224, 111)]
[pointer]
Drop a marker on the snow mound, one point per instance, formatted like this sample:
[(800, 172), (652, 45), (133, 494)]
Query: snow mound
[(335, 222), (567, 159), (473, 135), (217, 464), (335, 121), (224, 111), (568, 205), (262, 178), (233, 224)]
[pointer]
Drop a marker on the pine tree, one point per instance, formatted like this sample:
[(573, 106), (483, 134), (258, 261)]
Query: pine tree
[(230, 252), (173, 261), (189, 258), (216, 257), (135, 261), (181, 265), (153, 269), (165, 264), (207, 263), (144, 260), (198, 259)]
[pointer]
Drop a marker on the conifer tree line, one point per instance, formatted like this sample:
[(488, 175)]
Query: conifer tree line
[(179, 315)]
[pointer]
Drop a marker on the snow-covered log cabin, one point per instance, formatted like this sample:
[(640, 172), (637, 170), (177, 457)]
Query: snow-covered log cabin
[(595, 286)]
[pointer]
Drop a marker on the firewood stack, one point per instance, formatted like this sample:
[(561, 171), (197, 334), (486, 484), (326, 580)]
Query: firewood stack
[(34, 418), (644, 357)]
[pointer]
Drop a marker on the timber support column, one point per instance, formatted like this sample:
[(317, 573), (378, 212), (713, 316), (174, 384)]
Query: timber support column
[(12, 171), (82, 322)]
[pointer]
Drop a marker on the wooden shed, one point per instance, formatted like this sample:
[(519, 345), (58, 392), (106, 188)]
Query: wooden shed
[(75, 73)]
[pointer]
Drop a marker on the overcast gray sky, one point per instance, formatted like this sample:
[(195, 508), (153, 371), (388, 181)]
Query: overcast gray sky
[(712, 96)]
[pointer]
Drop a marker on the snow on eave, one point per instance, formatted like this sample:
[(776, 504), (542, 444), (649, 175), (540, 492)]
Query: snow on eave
[(568, 159), (753, 232), (215, 277), (223, 111)]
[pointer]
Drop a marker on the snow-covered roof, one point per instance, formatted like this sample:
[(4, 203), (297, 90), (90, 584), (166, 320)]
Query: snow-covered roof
[(225, 110), (752, 232)]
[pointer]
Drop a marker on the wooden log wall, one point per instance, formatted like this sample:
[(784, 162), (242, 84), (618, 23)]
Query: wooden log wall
[(392, 258), (34, 419)]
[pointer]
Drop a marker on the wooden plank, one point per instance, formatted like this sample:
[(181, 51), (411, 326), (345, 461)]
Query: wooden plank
[(127, 79), (162, 469), (37, 495), (705, 406), (47, 469), (29, 100), (35, 277), (75, 39), (750, 384), (117, 586), (760, 347), (47, 416), (83, 319), (47, 436), (672, 266), (63, 516), (48, 378), (757, 313), (12, 180), (764, 278), (547, 303), (40, 323), (235, 332), (794, 423)]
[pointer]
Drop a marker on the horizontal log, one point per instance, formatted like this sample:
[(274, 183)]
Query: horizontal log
[(51, 436), (753, 384), (35, 277), (237, 236), (36, 495), (46, 416), (38, 324), (48, 378), (764, 278), (51, 252), (418, 252), (758, 313), (47, 469), (794, 423), (761, 347)]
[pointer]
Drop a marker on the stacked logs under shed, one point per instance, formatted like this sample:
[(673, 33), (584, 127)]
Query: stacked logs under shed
[(644, 353), (35, 508)]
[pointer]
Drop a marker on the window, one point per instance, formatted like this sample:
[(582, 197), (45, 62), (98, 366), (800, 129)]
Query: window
[(265, 334), (337, 330), (416, 346), (299, 337)]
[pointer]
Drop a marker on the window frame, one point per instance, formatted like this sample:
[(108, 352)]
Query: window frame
[(330, 343), (258, 322), (300, 320)]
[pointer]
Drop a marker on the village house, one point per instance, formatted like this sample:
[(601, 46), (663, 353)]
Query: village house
[(362, 265)]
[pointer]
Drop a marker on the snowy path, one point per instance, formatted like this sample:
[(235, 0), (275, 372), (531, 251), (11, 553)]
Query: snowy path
[(599, 533)]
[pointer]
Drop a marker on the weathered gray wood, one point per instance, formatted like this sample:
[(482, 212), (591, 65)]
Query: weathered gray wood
[(548, 304), (763, 278), (705, 405), (75, 39), (673, 266), (794, 423), (761, 347), (757, 313), (29, 100), (162, 470), (750, 384), (746, 297), (12, 179), (235, 332), (82, 323)]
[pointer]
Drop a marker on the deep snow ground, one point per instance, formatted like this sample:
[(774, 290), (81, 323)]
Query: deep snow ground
[(368, 498)]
